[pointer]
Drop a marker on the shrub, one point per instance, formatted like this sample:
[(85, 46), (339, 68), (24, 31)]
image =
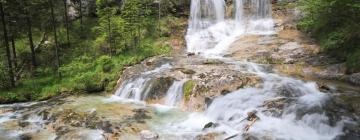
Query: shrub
[(89, 82), (104, 64)]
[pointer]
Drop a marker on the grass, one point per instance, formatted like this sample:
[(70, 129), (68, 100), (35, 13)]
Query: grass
[(83, 74), (85, 66)]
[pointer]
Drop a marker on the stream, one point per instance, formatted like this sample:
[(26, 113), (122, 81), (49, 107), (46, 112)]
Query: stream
[(287, 108)]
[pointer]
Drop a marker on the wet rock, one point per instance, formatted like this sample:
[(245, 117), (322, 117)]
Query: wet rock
[(210, 136), (351, 132), (225, 92), (23, 123), (25, 137), (332, 72), (216, 82), (190, 54), (289, 90), (141, 115), (188, 71), (61, 130), (250, 137), (289, 53), (355, 78), (44, 114), (159, 87), (208, 101), (323, 87), (348, 137), (148, 135), (201, 75), (82, 134), (148, 63), (105, 125), (213, 62), (276, 107), (210, 125)]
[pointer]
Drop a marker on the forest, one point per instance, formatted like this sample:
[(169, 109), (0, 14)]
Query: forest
[(56, 46), (335, 26)]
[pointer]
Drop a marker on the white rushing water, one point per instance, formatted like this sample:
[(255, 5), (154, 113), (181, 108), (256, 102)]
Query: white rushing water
[(174, 95), (302, 97), (211, 33), (302, 115), (137, 88)]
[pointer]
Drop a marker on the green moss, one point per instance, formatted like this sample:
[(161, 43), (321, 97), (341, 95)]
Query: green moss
[(188, 88), (81, 74)]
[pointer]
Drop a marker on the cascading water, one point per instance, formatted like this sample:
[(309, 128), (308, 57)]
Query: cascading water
[(206, 13), (136, 88), (297, 96), (210, 33), (175, 93), (254, 16), (301, 112)]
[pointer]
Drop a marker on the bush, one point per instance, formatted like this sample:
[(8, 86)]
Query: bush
[(4, 78), (104, 64), (335, 25), (89, 82)]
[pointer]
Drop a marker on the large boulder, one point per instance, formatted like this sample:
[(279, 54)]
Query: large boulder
[(159, 87)]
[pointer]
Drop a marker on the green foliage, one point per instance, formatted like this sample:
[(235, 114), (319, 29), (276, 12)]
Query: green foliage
[(3, 76), (104, 64), (97, 53), (89, 82), (168, 25), (188, 88), (335, 24)]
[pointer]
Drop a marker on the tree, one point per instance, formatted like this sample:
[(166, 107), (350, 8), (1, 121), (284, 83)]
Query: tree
[(111, 27), (66, 22), (132, 14), (31, 42), (53, 22), (6, 43)]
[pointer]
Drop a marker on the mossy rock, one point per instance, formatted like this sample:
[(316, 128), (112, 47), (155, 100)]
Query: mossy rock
[(188, 71), (213, 62), (188, 88)]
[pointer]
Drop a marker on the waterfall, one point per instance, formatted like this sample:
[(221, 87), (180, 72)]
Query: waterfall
[(210, 33), (205, 13), (175, 93), (137, 88), (288, 108), (298, 96)]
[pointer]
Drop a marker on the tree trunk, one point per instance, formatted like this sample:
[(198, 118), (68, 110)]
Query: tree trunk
[(67, 23), (14, 51), (31, 42), (81, 19), (6, 39), (55, 38), (109, 31)]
